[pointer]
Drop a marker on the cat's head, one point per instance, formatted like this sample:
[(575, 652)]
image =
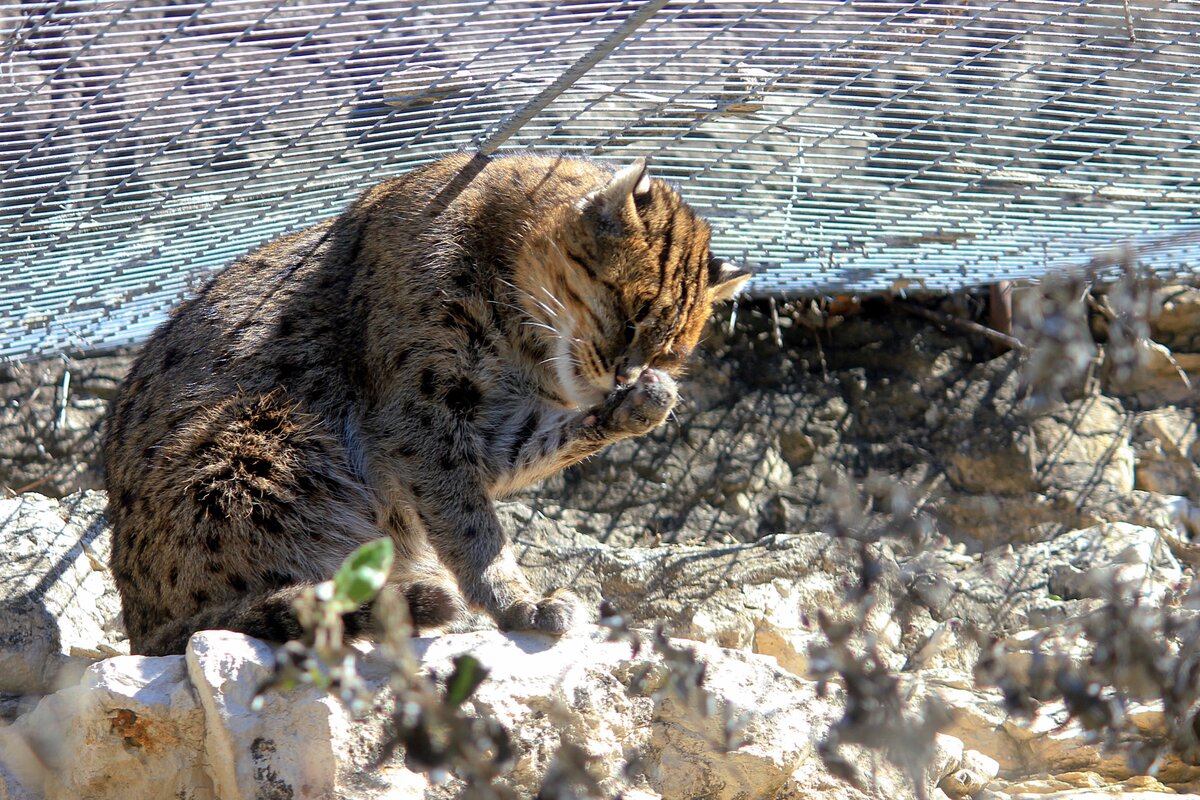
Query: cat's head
[(623, 280)]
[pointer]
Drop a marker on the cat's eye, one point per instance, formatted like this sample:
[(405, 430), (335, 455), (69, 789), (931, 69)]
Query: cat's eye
[(630, 331)]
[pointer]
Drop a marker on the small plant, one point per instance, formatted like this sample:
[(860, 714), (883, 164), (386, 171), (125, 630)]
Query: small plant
[(1132, 655), (434, 721), (323, 660), (679, 677)]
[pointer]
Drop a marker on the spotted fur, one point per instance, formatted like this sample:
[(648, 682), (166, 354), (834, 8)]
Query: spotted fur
[(456, 334)]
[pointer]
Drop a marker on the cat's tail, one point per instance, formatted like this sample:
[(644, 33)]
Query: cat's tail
[(272, 616)]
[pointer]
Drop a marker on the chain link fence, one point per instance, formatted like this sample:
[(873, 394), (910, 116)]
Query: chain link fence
[(838, 146)]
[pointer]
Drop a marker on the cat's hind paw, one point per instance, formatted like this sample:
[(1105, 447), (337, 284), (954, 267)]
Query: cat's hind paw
[(556, 613)]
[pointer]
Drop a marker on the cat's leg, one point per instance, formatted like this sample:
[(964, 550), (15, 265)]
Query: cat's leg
[(461, 523), (549, 443)]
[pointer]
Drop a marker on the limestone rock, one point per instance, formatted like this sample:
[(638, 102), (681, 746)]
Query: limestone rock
[(987, 521), (1052, 744), (288, 744), (796, 446), (1183, 531), (761, 596), (981, 722), (48, 439), (10, 787), (1116, 792), (1082, 446), (1006, 588), (1073, 449), (58, 604), (132, 728), (1168, 456), (1177, 321), (1164, 512), (992, 465), (1160, 377), (994, 520), (984, 443), (169, 727), (1088, 785), (974, 772)]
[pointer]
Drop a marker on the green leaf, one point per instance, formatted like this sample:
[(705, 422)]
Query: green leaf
[(363, 574), (468, 674)]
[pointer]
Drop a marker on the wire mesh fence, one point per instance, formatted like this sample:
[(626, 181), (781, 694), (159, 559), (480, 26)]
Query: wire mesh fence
[(837, 146)]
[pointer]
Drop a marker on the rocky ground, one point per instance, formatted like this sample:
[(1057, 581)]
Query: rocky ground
[(915, 566)]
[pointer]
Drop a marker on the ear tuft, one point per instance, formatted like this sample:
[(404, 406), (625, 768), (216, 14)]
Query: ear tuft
[(633, 180), (725, 280), (642, 187)]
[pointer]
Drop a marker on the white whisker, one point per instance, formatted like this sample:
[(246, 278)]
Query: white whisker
[(546, 292), (533, 323), (536, 324), (551, 313)]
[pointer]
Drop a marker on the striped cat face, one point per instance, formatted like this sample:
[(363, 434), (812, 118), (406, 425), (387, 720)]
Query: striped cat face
[(625, 282)]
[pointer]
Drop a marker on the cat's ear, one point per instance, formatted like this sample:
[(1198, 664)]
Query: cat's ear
[(724, 279), (609, 200)]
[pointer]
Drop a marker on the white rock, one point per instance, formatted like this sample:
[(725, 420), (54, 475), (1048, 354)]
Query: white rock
[(1172, 430), (184, 728), (1084, 445), (975, 772), (132, 728), (585, 680), (1049, 744), (11, 787), (947, 759), (1159, 376), (981, 722), (1037, 584), (1114, 793), (1090, 785), (58, 603), (289, 743), (1166, 442), (1135, 558), (1177, 310), (761, 596), (980, 764)]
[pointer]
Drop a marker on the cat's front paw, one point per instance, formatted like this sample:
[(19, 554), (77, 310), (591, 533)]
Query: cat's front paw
[(644, 406), (556, 613)]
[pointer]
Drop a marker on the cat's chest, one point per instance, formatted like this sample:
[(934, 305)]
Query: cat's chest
[(513, 391), (515, 374), (514, 388)]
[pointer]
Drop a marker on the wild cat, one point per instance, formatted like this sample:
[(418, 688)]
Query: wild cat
[(456, 334)]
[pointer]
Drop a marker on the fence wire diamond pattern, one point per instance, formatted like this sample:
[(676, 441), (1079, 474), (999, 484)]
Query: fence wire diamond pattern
[(840, 146)]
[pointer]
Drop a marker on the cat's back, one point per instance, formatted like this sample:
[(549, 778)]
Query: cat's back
[(466, 204), (268, 325)]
